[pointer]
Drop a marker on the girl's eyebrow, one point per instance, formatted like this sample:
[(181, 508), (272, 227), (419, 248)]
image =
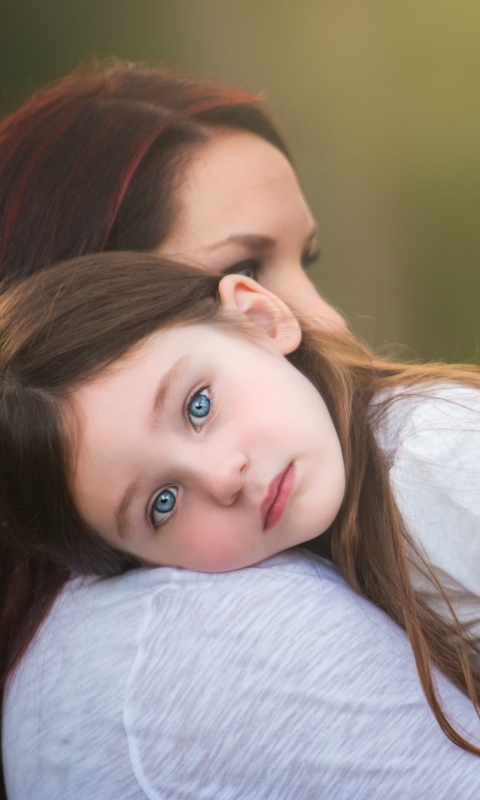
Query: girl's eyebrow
[(165, 386), (122, 511), (172, 375)]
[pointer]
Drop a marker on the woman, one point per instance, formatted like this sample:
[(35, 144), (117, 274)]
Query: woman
[(115, 157)]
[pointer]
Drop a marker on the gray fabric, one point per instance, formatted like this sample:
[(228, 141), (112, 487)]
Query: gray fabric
[(271, 683)]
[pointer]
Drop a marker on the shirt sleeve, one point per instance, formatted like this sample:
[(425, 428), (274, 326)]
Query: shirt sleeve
[(436, 479)]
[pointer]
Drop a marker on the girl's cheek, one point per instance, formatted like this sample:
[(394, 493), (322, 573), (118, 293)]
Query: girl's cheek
[(214, 548)]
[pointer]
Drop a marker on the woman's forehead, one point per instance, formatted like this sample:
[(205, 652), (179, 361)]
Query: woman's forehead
[(238, 184)]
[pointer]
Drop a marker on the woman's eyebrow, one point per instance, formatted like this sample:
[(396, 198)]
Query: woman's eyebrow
[(255, 241)]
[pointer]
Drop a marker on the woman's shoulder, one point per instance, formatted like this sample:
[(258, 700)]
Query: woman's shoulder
[(87, 596)]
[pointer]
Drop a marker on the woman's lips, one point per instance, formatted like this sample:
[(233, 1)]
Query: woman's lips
[(276, 500)]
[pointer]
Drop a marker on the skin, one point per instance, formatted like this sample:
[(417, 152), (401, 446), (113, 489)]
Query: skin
[(264, 416), (242, 210)]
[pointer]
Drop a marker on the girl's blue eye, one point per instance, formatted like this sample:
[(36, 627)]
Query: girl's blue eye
[(163, 505), (199, 408)]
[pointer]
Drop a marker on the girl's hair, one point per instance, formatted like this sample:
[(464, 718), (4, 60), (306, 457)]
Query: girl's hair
[(93, 162), (63, 326)]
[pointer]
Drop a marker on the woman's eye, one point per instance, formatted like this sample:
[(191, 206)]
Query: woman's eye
[(198, 408), (163, 505), (308, 259), (250, 268)]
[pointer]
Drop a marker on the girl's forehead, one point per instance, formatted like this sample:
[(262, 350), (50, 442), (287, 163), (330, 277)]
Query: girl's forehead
[(207, 339), (161, 366)]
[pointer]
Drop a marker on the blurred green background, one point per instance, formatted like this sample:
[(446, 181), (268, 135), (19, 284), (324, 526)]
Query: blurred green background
[(380, 103)]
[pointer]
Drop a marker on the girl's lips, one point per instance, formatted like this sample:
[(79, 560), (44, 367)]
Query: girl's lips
[(277, 497)]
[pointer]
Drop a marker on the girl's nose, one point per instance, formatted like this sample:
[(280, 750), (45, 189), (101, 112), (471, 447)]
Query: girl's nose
[(222, 475)]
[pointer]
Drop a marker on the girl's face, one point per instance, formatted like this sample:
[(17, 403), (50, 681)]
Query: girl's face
[(242, 211), (205, 448)]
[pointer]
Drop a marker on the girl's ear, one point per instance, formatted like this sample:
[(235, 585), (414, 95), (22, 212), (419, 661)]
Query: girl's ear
[(262, 308)]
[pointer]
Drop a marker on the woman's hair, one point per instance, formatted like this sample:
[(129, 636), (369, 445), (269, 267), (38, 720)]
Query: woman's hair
[(95, 161), (63, 326)]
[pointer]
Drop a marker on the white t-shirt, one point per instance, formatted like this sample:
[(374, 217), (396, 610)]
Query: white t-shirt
[(271, 683), (432, 444)]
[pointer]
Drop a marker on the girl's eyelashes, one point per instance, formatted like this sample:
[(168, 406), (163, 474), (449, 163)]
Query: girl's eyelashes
[(250, 267), (308, 259), (163, 505), (198, 408)]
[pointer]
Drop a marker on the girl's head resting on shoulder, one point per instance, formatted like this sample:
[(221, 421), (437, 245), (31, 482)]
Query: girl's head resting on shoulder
[(148, 413), (152, 413), (123, 157)]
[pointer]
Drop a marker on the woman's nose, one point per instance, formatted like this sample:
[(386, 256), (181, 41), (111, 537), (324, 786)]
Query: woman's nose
[(222, 475), (312, 304)]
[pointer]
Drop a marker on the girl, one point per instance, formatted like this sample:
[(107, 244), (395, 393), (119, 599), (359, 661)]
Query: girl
[(154, 414)]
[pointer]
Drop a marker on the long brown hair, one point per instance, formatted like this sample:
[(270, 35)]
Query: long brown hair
[(63, 326), (93, 162)]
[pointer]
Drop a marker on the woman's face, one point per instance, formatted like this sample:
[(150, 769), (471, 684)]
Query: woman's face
[(206, 449), (242, 210)]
